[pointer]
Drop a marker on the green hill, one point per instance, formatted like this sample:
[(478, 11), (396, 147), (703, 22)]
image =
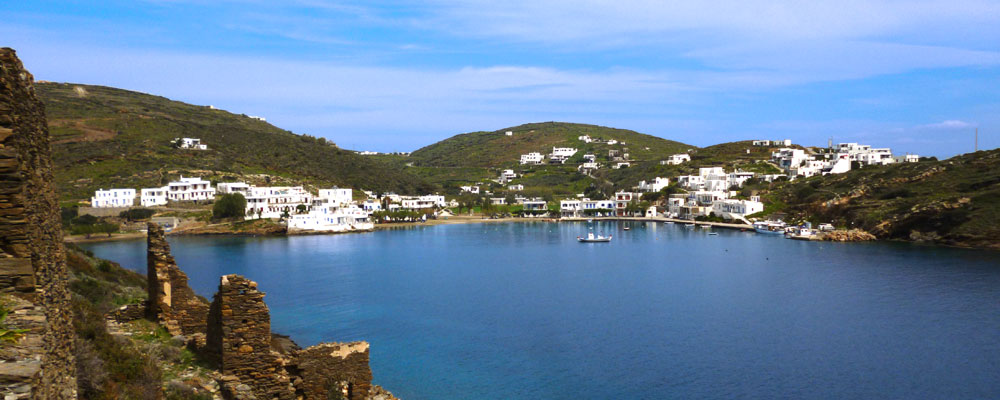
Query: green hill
[(105, 137), (954, 201), (496, 149)]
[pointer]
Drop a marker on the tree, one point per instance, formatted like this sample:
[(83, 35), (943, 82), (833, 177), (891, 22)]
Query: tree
[(231, 205), (301, 209), (106, 227)]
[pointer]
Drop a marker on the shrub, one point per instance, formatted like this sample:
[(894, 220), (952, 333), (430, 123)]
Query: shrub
[(137, 214), (232, 205)]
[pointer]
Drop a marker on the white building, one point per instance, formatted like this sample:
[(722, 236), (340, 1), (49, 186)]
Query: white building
[(371, 206), (585, 139), (588, 167), (561, 154), (190, 143), (532, 158), (620, 165), (736, 209), (570, 208), (655, 185), (339, 196), (332, 218), (507, 175), (622, 200), (233, 187), (518, 187), (113, 198), (498, 201), (676, 159), (151, 197), (190, 189), (509, 133), (866, 154), (535, 205), (907, 158), (423, 202), (787, 158), (785, 142), (273, 201), (470, 189)]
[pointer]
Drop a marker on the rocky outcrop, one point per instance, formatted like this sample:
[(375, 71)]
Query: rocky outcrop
[(31, 233), (853, 235), (171, 302)]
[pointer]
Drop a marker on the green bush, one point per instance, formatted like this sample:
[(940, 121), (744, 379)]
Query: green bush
[(137, 214), (232, 205)]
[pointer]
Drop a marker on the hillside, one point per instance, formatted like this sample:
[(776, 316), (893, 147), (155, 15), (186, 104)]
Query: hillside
[(954, 201), (105, 137), (496, 149)]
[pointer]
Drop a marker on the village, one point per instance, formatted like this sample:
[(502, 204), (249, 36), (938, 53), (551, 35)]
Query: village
[(712, 195)]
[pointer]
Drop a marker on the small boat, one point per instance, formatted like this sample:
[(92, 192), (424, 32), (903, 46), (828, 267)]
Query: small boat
[(592, 238), (689, 225), (706, 226), (770, 227), (713, 234), (627, 228)]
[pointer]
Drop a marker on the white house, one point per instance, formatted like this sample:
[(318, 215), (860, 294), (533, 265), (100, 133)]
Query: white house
[(535, 205), (907, 158), (423, 202), (470, 189), (785, 142), (736, 209), (655, 185), (585, 139), (588, 167), (272, 202), (570, 208), (589, 158), (151, 197), (190, 189), (498, 201), (676, 159), (339, 196), (190, 143), (620, 165), (113, 198), (371, 205), (507, 175), (331, 218), (509, 133), (622, 200), (561, 154), (533, 158), (788, 158), (518, 187), (233, 187)]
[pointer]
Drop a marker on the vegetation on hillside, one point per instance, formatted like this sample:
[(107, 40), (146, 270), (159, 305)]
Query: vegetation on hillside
[(105, 137), (496, 149), (954, 201)]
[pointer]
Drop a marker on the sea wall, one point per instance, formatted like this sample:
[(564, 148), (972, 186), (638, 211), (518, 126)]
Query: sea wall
[(31, 237)]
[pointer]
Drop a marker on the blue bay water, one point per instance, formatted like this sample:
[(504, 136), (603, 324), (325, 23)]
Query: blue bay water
[(523, 311)]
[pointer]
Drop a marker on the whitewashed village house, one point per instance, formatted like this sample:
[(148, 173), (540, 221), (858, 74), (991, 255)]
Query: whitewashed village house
[(152, 197), (190, 189), (190, 144), (272, 202), (113, 198), (676, 159), (655, 185), (533, 158)]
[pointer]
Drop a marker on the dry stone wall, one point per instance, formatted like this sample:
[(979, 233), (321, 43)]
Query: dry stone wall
[(171, 302), (239, 337), (30, 228), (333, 367)]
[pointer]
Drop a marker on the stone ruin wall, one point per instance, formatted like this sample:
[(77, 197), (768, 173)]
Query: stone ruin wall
[(31, 231), (333, 367), (239, 338), (171, 301)]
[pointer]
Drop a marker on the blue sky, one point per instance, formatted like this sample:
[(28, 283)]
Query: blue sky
[(918, 76)]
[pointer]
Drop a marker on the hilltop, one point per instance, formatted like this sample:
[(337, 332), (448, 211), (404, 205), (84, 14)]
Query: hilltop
[(496, 149), (106, 137), (954, 201)]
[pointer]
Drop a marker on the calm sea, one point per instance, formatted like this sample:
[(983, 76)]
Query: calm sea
[(523, 311)]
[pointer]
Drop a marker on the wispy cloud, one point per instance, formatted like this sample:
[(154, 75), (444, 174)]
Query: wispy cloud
[(949, 124)]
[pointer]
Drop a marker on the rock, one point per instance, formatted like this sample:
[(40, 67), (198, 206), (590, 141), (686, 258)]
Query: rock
[(178, 340)]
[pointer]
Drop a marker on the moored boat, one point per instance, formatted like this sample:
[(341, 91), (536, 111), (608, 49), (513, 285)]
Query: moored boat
[(592, 238), (769, 227)]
